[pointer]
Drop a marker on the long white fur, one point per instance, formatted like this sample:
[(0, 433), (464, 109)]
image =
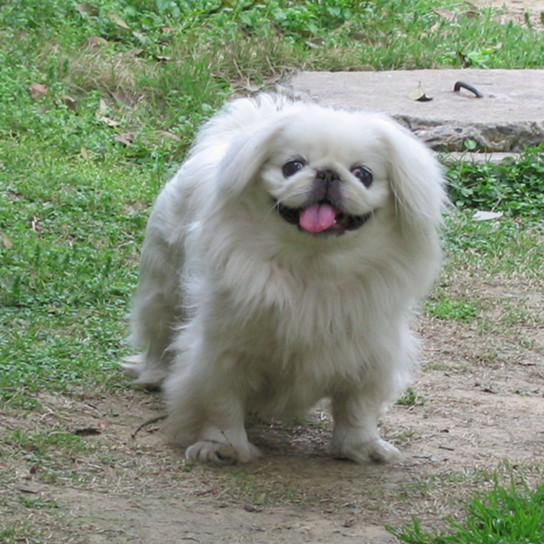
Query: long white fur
[(239, 311)]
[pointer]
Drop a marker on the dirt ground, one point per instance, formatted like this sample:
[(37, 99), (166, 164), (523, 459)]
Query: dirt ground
[(516, 10), (478, 407)]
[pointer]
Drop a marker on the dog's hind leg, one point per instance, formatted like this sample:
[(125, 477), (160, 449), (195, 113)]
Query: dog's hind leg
[(156, 312)]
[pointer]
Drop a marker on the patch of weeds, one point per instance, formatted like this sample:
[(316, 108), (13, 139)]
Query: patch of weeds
[(40, 445), (405, 437), (437, 365), (49, 456), (14, 533), (19, 400), (413, 489), (187, 466), (451, 309), (37, 503), (488, 358), (513, 186), (493, 247), (502, 515), (517, 313), (411, 398), (480, 58)]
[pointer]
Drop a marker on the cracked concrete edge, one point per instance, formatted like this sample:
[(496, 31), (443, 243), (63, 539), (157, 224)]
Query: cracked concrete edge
[(509, 118)]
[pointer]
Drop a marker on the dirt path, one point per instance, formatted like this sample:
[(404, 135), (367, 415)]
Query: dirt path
[(519, 11), (477, 407)]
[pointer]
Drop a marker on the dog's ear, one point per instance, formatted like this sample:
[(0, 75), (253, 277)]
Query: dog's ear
[(415, 175), (245, 157)]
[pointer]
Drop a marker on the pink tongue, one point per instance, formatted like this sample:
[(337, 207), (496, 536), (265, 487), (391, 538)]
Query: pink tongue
[(317, 218)]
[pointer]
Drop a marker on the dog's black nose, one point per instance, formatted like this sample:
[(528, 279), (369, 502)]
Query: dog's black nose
[(328, 177), (327, 187)]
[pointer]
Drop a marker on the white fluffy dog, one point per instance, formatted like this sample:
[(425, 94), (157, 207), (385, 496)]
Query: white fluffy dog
[(281, 266)]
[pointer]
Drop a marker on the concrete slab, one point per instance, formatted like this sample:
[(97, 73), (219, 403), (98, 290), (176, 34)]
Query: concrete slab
[(508, 117)]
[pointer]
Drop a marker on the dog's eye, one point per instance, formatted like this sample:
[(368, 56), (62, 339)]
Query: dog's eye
[(292, 167), (363, 174)]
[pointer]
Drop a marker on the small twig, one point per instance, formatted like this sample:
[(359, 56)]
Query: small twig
[(146, 423)]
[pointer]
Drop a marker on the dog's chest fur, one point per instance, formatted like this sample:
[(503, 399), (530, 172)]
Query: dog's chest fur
[(293, 342)]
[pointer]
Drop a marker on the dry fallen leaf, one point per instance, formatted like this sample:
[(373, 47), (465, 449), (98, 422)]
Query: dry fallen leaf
[(108, 121), (169, 135), (472, 13), (125, 138), (69, 102), (37, 91), (124, 98), (161, 135), (419, 94), (28, 487), (6, 242), (445, 14), (118, 22), (102, 108), (96, 42), (86, 10), (134, 52)]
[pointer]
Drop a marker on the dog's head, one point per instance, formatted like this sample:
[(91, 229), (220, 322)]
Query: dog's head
[(327, 172)]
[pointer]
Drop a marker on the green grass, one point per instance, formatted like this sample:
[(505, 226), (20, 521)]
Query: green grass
[(504, 515), (39, 445), (71, 232), (124, 86), (450, 309), (507, 246), (411, 398)]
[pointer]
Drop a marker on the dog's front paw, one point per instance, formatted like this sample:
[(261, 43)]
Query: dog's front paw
[(377, 450), (211, 451), (381, 451)]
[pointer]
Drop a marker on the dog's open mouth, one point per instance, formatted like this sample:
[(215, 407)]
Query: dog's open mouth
[(322, 218)]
